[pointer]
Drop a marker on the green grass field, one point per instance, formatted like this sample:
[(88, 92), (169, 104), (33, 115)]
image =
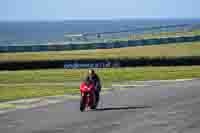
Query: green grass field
[(37, 83), (158, 35), (166, 34), (168, 51)]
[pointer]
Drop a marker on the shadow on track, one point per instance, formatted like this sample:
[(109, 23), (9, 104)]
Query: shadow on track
[(122, 108)]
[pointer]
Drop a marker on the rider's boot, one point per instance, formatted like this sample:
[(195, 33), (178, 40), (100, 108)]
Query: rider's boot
[(97, 97), (94, 101)]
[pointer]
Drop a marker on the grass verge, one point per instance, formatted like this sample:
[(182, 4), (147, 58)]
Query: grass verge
[(30, 91), (38, 83)]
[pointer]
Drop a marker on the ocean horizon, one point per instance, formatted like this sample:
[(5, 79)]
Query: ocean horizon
[(43, 32)]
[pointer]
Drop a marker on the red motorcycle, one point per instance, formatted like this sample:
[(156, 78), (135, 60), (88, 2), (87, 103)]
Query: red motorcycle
[(87, 97)]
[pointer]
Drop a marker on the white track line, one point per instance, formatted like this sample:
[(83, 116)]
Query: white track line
[(175, 80)]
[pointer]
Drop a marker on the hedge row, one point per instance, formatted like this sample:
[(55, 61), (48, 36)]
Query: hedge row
[(176, 61)]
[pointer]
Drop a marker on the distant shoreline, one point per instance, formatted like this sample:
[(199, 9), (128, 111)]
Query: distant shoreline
[(100, 19), (53, 31)]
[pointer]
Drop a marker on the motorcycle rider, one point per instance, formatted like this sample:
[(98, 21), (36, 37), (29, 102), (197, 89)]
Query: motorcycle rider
[(92, 76)]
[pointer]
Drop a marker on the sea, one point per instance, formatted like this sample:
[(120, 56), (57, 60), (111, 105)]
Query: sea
[(38, 32)]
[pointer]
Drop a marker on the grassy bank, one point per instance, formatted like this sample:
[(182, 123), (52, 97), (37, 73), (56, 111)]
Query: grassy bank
[(168, 51), (26, 84), (165, 34), (159, 35), (13, 92)]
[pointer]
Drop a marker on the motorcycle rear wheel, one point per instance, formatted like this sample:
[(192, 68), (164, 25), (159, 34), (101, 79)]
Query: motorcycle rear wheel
[(94, 107)]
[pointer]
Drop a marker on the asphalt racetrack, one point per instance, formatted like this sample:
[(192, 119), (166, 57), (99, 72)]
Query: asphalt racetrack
[(154, 107)]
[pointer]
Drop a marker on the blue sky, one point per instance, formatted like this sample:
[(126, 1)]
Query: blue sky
[(97, 9)]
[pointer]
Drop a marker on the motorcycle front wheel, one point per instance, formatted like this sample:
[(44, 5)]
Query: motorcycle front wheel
[(82, 104)]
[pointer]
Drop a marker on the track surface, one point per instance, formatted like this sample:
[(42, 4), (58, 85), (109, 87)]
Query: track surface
[(172, 107)]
